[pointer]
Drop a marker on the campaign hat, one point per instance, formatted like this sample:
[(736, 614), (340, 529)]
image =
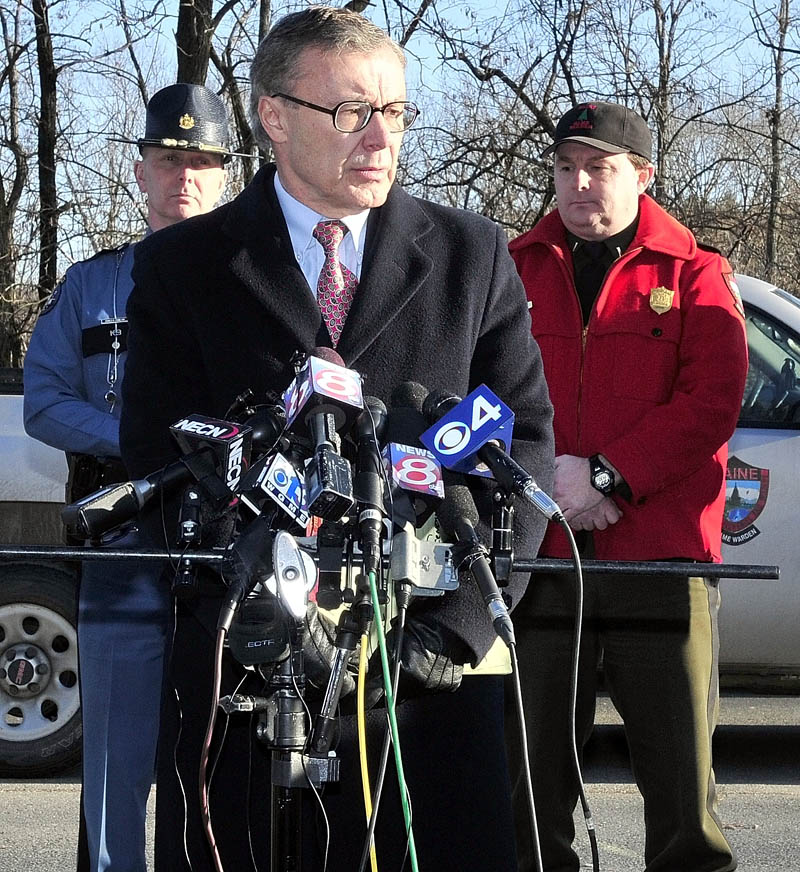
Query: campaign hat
[(188, 117), (610, 127)]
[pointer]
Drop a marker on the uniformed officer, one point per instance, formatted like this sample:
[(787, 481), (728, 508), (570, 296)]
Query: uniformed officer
[(73, 372)]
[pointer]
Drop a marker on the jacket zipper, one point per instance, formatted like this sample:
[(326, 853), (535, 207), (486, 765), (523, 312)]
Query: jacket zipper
[(585, 331)]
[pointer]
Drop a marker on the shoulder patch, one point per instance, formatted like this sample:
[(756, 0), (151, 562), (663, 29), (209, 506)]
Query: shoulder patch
[(52, 300), (730, 281)]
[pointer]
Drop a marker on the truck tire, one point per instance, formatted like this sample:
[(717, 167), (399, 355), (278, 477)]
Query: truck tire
[(40, 717)]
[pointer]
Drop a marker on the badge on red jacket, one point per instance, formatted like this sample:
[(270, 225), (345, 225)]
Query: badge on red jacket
[(661, 300)]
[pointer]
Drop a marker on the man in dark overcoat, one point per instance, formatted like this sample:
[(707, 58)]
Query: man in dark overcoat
[(418, 292)]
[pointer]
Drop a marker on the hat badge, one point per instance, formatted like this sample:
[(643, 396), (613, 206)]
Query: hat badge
[(584, 121), (186, 122)]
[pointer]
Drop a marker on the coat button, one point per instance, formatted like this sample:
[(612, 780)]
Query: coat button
[(656, 331)]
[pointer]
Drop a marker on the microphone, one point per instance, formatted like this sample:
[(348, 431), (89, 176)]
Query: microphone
[(478, 408), (417, 488), (415, 474), (231, 442), (325, 398), (267, 423), (370, 427), (458, 515), (249, 563), (223, 451), (275, 477)]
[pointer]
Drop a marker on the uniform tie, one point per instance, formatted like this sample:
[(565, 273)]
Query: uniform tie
[(336, 284)]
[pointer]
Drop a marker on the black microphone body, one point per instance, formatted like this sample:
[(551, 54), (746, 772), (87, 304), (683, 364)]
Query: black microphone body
[(368, 487), (324, 399), (117, 504), (458, 515)]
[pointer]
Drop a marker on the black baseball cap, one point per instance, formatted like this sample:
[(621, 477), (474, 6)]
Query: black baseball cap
[(607, 126), (187, 117)]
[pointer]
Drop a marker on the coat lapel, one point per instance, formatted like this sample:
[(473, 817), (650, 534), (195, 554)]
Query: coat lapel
[(395, 267), (265, 263)]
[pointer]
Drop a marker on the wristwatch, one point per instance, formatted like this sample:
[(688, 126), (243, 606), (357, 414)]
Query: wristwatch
[(601, 476)]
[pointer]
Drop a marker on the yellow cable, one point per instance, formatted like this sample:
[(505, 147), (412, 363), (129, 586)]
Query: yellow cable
[(362, 743)]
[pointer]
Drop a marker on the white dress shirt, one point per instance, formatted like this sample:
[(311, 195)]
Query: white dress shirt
[(301, 221)]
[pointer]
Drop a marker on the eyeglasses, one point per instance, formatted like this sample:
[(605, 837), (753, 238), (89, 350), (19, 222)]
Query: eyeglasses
[(354, 115)]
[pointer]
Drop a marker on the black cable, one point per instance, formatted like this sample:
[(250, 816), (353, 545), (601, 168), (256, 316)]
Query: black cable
[(573, 697), (576, 646), (526, 761)]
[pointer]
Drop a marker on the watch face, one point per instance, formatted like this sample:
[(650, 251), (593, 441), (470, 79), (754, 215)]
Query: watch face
[(602, 479)]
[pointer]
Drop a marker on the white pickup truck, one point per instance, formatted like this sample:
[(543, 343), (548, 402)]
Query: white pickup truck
[(40, 724), (760, 643), (759, 620)]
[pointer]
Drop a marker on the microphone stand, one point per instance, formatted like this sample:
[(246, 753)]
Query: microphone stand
[(283, 729), (282, 716), (502, 551)]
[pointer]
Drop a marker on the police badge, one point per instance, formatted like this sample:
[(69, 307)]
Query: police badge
[(661, 300)]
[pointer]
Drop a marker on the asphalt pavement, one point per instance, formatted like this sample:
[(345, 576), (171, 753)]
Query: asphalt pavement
[(757, 763)]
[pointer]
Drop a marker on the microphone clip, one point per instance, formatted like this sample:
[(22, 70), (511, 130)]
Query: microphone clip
[(468, 552)]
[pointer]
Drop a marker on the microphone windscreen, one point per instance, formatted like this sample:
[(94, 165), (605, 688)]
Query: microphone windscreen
[(373, 421), (375, 405), (405, 425), (268, 423), (458, 505), (439, 403), (409, 395), (325, 353)]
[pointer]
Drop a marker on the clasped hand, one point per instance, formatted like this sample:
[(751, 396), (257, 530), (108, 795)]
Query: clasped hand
[(584, 507)]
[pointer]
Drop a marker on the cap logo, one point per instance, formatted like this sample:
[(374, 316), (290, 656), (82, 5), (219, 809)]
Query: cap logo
[(186, 122), (583, 122)]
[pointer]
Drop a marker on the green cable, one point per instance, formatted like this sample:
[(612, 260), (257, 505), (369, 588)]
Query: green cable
[(398, 759)]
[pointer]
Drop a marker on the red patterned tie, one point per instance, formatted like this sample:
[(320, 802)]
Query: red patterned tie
[(336, 284)]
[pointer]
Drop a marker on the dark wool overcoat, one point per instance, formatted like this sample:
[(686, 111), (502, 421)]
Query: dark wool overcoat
[(220, 305)]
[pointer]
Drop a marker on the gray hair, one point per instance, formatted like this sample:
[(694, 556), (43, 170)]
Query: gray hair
[(276, 65)]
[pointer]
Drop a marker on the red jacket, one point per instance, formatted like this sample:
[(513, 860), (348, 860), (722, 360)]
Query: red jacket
[(657, 394)]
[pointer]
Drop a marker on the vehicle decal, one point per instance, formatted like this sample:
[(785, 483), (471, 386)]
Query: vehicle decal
[(746, 490)]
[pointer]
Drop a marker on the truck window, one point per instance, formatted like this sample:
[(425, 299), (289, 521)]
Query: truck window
[(772, 390)]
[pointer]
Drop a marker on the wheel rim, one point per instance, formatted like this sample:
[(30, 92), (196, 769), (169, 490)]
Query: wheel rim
[(38, 672)]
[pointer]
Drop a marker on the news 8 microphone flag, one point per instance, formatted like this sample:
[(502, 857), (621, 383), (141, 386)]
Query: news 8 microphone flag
[(324, 400)]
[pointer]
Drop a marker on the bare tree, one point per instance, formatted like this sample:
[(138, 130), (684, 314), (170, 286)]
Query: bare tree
[(46, 151), (491, 81), (14, 174), (775, 119)]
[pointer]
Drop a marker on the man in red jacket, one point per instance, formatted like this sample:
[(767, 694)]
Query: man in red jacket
[(641, 333)]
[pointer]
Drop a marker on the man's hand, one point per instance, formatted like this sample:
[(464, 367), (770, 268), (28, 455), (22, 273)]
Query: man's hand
[(605, 513), (572, 486), (584, 507), (432, 656)]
